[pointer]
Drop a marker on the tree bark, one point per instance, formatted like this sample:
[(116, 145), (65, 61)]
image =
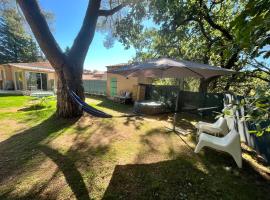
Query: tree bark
[(204, 84), (66, 108)]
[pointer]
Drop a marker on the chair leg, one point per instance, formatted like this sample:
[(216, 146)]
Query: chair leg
[(199, 147), (237, 156)]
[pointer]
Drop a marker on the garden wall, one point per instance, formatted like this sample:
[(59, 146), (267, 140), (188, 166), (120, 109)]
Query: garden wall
[(96, 87)]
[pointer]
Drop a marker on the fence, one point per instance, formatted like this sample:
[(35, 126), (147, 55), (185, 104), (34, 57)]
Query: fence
[(261, 144), (168, 95), (96, 87)]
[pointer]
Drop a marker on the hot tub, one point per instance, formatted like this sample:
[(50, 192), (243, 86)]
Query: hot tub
[(149, 107)]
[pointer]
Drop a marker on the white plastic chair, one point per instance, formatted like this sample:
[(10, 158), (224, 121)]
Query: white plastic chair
[(220, 127), (229, 143)]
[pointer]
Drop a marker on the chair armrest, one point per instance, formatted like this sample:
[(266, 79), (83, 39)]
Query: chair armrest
[(210, 129), (202, 123)]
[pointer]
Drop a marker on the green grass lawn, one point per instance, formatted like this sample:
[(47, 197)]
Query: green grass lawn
[(43, 157)]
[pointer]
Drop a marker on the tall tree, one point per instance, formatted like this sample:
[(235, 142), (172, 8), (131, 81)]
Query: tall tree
[(15, 44), (69, 68), (198, 30)]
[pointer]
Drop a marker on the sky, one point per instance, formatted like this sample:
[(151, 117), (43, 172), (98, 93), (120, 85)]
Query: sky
[(68, 18)]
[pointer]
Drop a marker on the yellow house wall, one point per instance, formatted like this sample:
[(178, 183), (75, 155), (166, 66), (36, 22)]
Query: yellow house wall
[(50, 77), (123, 84), (14, 69), (2, 73), (7, 72), (131, 84)]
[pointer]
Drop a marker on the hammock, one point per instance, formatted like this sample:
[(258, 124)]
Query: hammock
[(87, 108)]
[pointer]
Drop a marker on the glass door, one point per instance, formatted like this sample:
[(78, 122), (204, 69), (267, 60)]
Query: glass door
[(37, 81), (31, 80)]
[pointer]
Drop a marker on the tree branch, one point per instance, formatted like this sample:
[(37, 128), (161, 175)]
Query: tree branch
[(40, 29), (210, 21), (251, 74), (85, 36), (234, 58), (261, 69), (261, 66), (110, 12), (208, 37)]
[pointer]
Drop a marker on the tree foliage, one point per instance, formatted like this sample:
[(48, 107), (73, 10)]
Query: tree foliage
[(198, 30), (252, 28), (258, 112), (15, 44)]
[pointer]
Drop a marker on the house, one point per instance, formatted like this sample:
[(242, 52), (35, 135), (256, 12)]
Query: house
[(116, 84), (27, 76), (94, 75), (35, 76)]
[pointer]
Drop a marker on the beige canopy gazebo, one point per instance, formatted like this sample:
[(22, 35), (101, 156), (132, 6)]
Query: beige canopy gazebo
[(172, 68)]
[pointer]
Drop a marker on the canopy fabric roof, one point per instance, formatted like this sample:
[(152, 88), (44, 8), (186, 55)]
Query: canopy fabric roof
[(171, 68)]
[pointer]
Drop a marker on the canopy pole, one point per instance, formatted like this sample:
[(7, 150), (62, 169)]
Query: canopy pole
[(181, 88), (176, 110)]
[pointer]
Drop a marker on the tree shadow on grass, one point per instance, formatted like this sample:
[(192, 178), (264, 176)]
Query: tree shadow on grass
[(20, 149), (212, 175), (33, 108), (71, 173), (161, 180), (136, 121)]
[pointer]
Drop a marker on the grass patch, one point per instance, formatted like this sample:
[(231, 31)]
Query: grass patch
[(13, 101), (108, 105), (44, 157)]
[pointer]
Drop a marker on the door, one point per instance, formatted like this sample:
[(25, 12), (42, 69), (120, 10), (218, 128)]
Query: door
[(41, 81), (37, 81), (113, 89)]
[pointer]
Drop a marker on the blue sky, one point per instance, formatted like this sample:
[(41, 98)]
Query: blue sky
[(68, 19)]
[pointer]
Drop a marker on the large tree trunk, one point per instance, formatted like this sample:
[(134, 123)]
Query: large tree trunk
[(65, 105)]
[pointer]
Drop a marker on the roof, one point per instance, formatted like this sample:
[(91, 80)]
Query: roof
[(35, 66), (118, 65), (94, 76)]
